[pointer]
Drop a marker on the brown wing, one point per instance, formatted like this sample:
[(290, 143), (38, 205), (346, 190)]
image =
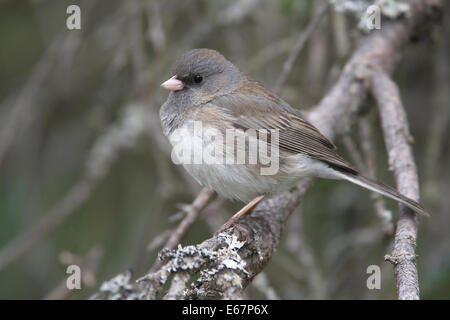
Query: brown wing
[(260, 109)]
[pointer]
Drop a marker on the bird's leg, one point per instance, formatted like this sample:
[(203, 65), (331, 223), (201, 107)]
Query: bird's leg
[(246, 209)]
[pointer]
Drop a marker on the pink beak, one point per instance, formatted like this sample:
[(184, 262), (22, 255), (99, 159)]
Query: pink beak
[(173, 84)]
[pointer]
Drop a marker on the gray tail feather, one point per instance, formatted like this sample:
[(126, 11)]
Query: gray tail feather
[(382, 189)]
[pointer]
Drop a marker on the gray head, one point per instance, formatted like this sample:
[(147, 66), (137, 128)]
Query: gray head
[(198, 76)]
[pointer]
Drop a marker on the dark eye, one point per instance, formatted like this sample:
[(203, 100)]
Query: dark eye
[(198, 78)]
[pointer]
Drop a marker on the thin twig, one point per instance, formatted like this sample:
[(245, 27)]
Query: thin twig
[(401, 160), (301, 41), (439, 122), (366, 163), (354, 152), (317, 57), (201, 201), (368, 149)]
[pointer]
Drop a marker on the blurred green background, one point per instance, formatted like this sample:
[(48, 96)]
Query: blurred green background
[(86, 176)]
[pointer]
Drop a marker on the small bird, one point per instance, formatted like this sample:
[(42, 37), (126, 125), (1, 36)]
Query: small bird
[(206, 88)]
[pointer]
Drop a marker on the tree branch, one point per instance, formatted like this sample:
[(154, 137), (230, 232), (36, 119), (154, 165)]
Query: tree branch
[(401, 160), (228, 262)]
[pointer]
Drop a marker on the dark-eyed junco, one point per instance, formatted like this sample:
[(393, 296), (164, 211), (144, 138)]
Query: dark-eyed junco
[(209, 94)]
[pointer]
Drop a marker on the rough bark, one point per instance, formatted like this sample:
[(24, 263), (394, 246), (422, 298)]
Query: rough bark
[(401, 161)]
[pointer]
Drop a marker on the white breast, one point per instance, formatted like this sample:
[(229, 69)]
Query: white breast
[(236, 181)]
